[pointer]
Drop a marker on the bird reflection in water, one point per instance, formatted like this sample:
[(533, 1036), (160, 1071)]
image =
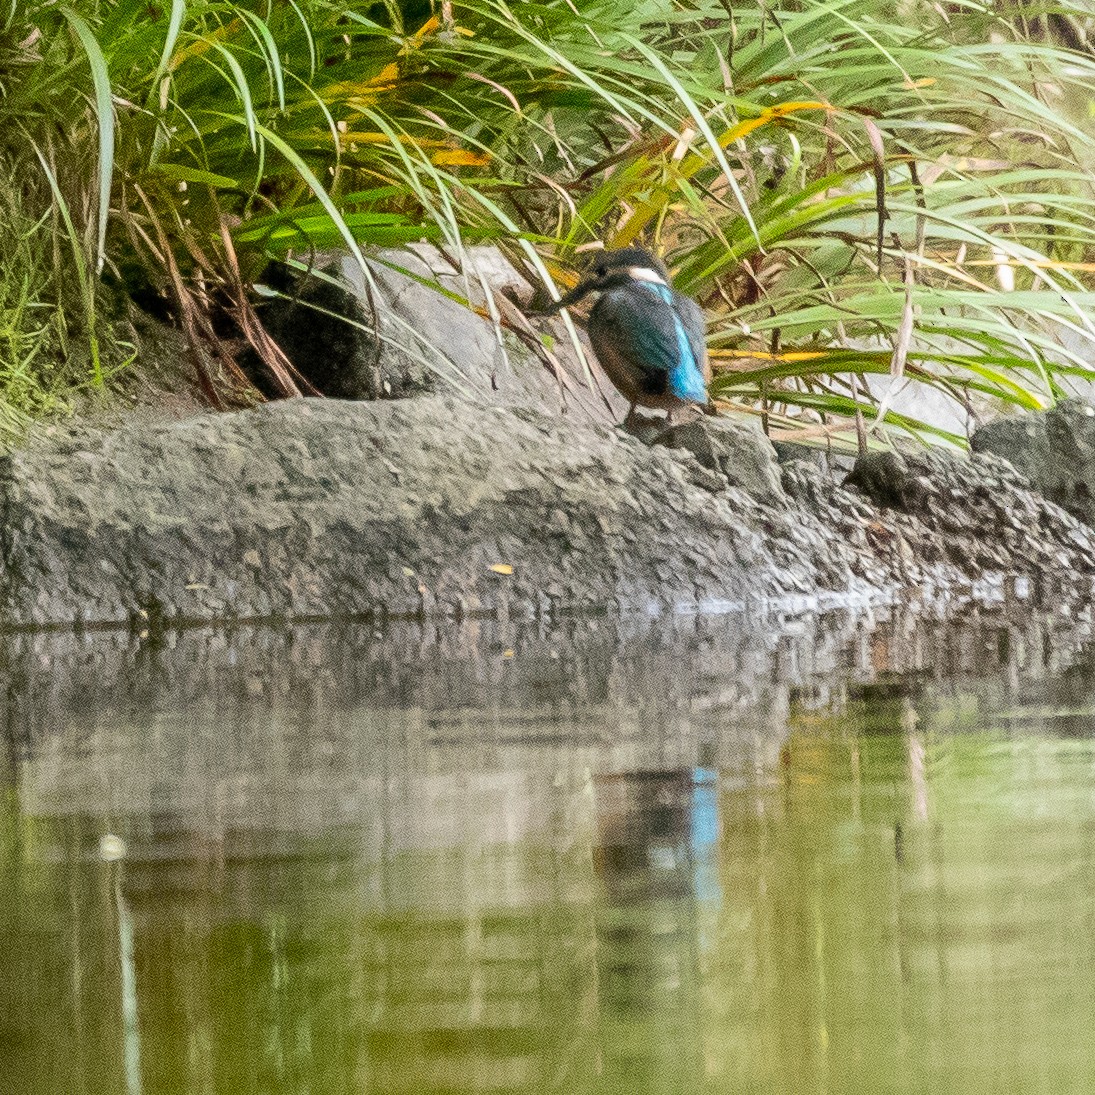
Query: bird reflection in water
[(657, 833)]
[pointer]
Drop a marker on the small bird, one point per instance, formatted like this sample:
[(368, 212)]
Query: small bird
[(648, 338)]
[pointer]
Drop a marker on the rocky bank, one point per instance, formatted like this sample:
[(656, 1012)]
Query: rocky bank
[(496, 484)]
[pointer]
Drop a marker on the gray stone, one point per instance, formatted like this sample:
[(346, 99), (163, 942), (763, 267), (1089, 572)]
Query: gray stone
[(882, 476), (440, 507), (429, 342), (976, 515), (735, 448), (325, 322), (1055, 451), (504, 490), (325, 328), (319, 508), (834, 463)]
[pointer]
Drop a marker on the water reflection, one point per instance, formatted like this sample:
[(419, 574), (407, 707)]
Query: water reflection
[(846, 854)]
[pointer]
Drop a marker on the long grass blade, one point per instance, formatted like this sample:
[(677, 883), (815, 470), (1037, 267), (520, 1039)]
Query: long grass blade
[(104, 114)]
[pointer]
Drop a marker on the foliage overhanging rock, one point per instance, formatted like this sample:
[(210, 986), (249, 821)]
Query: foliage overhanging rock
[(485, 498)]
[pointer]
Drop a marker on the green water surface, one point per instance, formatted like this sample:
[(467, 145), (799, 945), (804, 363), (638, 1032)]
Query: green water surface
[(846, 856)]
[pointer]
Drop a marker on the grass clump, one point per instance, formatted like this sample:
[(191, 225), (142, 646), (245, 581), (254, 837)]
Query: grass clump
[(853, 188)]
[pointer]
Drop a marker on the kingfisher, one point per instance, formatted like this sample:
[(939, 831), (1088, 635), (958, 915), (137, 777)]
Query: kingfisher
[(648, 337)]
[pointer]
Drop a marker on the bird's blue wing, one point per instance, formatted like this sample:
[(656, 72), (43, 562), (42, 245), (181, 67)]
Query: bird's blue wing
[(695, 327), (642, 324)]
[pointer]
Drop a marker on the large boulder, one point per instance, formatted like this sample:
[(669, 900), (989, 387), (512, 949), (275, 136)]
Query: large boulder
[(428, 340), (503, 488), (328, 508)]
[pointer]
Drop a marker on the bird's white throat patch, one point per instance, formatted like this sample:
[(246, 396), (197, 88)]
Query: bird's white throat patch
[(644, 273)]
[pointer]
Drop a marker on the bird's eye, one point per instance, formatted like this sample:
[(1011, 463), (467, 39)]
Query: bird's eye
[(600, 271)]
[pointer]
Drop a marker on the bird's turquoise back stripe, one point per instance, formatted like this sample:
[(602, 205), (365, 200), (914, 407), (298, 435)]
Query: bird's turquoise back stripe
[(685, 378)]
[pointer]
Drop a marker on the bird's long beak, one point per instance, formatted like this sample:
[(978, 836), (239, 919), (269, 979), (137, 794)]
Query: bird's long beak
[(575, 295)]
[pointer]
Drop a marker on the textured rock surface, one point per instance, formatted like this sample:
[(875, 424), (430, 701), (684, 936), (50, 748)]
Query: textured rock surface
[(732, 448), (438, 506), (1055, 451), (937, 517), (318, 507)]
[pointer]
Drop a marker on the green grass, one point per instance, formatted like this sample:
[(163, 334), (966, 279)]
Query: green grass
[(849, 186)]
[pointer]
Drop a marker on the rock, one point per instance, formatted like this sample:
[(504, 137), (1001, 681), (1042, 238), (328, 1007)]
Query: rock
[(324, 323), (881, 476), (834, 463), (324, 508), (976, 514), (786, 451), (441, 507), (1054, 450), (325, 328), (734, 448), (429, 342)]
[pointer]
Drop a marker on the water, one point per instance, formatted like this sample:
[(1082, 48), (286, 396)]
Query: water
[(846, 854)]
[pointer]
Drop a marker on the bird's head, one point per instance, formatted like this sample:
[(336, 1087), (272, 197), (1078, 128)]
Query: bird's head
[(611, 269)]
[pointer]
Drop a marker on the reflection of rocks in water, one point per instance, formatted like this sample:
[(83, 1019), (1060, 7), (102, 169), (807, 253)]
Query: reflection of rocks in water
[(212, 720), (344, 724), (425, 859)]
